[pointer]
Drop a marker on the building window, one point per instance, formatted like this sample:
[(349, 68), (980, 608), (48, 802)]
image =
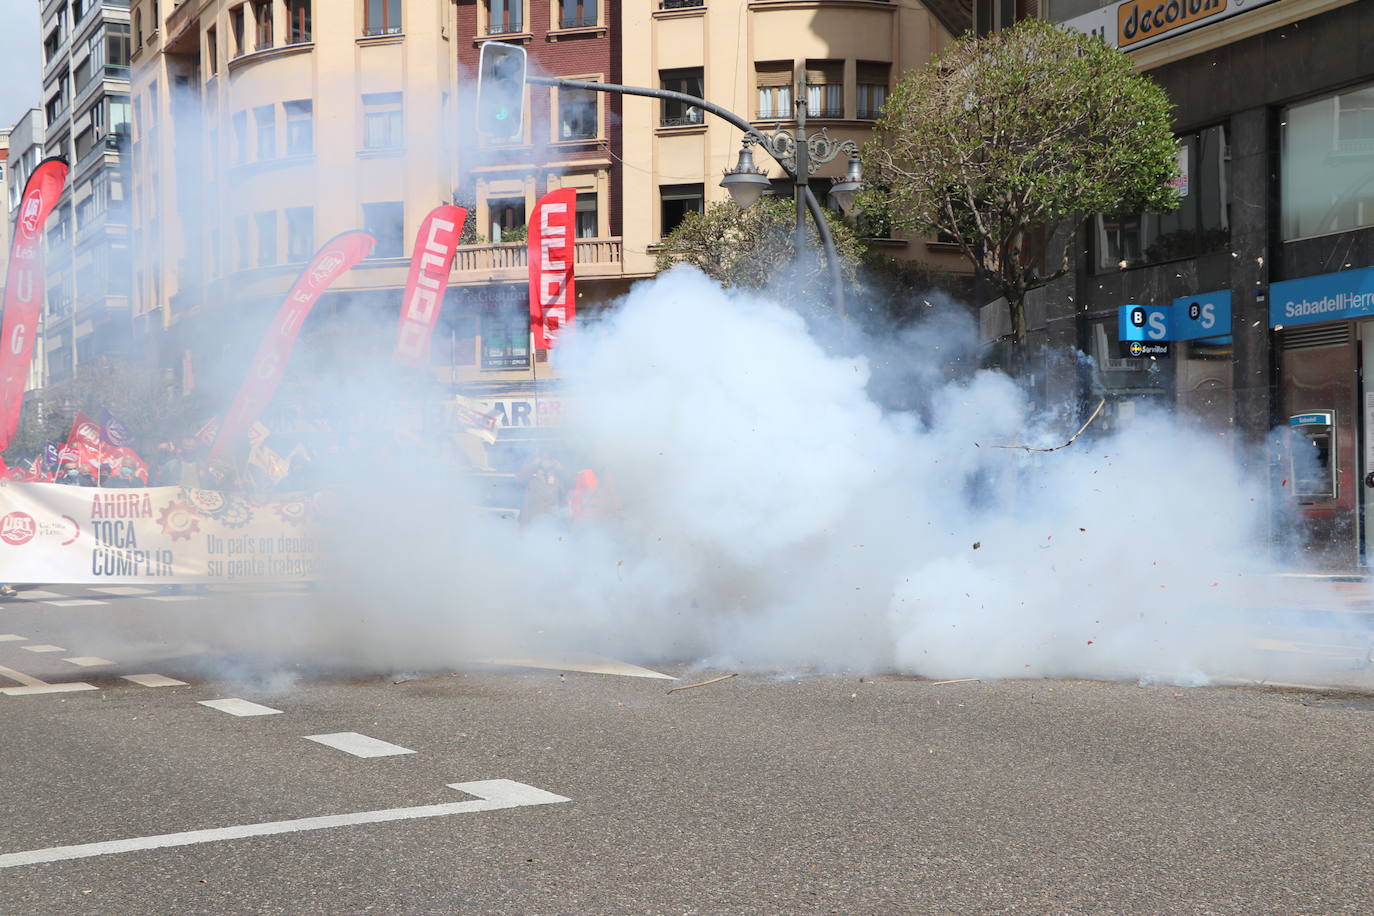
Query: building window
[(507, 214), (585, 227), (774, 82), (212, 51), (577, 14), (688, 81), (298, 21), (677, 201), (240, 121), (300, 127), (577, 114), (871, 92), (385, 222), (267, 237), (382, 120), (266, 118), (300, 233), (262, 14), (236, 18), (505, 16), (1327, 161), (382, 17), (245, 244), (825, 88), (505, 339), (1200, 224)]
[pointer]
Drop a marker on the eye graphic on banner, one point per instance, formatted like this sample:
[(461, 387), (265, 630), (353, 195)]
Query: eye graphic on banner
[(552, 259)]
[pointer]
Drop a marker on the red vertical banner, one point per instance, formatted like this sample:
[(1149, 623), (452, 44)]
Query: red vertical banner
[(24, 290), (430, 265), (552, 254), (333, 259)]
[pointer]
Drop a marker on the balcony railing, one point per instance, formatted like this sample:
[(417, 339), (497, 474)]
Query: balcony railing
[(375, 30), (680, 4), (106, 144), (605, 253), (578, 19), (507, 27)]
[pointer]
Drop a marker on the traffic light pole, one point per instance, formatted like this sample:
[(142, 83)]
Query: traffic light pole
[(799, 175)]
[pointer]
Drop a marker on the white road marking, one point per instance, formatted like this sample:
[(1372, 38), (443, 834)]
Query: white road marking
[(45, 688), (43, 648), (588, 664), (492, 795), (154, 680), (175, 598), (236, 707), (89, 661), (10, 637), (21, 677), (359, 745), (75, 602), (40, 594), (123, 590)]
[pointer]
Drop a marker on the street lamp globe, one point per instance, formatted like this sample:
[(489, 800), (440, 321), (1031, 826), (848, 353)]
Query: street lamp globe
[(746, 182), (846, 189)]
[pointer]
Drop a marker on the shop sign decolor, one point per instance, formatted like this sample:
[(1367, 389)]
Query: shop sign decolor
[(1132, 24)]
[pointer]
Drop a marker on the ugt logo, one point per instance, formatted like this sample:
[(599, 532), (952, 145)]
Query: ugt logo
[(17, 528), (325, 268)]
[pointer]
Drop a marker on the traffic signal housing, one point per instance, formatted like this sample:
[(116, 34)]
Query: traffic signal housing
[(501, 90)]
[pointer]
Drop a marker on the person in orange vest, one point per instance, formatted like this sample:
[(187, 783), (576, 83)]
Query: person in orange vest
[(592, 499)]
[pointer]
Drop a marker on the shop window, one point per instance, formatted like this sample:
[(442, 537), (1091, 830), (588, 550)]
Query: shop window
[(386, 223), (688, 81), (505, 16), (825, 88), (577, 114), (267, 237), (585, 227), (300, 233), (506, 339), (298, 21), (266, 118), (577, 14), (382, 17), (300, 127), (677, 200), (1327, 164), (774, 82), (1201, 224), (871, 89), (382, 122), (507, 214)]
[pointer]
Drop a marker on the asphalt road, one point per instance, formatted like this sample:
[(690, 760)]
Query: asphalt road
[(757, 794)]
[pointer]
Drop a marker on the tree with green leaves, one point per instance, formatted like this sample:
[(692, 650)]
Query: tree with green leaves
[(1002, 137), (751, 249)]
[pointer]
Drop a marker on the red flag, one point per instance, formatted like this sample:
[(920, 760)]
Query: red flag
[(84, 443), (336, 256), (430, 266), (552, 253), (24, 290)]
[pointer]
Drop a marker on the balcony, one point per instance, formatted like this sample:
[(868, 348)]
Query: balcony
[(511, 26), (584, 18), (106, 144), (480, 263), (681, 4)]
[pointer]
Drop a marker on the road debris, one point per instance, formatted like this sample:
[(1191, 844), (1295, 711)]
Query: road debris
[(1031, 448), (723, 677), (958, 680)]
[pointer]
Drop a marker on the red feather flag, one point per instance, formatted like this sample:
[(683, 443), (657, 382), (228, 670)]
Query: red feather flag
[(552, 255)]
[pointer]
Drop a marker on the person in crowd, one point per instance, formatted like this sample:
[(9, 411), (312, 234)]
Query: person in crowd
[(593, 498), (545, 488)]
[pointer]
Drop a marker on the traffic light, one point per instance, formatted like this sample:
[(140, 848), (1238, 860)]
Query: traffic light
[(501, 90)]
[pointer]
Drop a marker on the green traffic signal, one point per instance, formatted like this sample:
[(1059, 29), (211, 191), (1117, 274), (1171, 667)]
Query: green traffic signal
[(501, 90)]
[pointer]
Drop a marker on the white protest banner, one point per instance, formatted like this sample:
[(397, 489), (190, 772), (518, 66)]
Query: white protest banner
[(51, 533)]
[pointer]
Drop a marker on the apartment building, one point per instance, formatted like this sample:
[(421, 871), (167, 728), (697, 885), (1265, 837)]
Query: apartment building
[(1274, 241), (85, 113)]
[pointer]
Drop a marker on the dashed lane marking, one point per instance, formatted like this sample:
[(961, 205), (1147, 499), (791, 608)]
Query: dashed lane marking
[(45, 688), (43, 648), (40, 595), (88, 661), (237, 707), (359, 745), (154, 680), (492, 795), (75, 602), (123, 590), (588, 664), (174, 598), (10, 637)]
